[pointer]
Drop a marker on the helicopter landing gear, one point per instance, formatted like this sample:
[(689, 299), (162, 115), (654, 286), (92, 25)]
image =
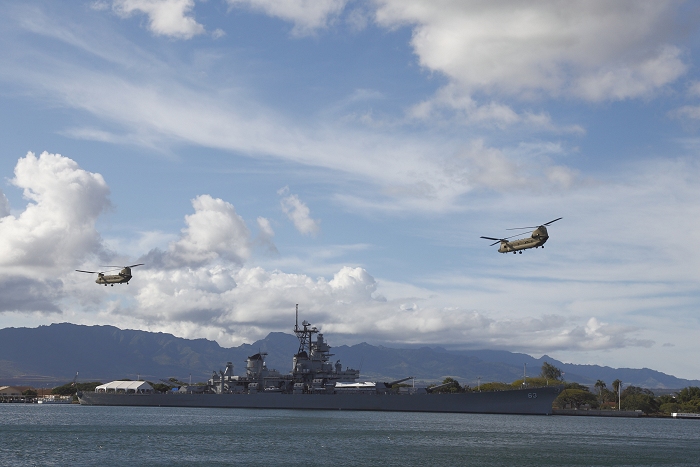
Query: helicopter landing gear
[(520, 252), (112, 285)]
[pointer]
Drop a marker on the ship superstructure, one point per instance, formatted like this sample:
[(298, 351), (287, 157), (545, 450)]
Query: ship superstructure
[(312, 372)]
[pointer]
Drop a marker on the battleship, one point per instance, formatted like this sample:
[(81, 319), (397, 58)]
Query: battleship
[(316, 383)]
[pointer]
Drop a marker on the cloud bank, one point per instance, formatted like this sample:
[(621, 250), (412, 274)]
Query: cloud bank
[(203, 283), (592, 50)]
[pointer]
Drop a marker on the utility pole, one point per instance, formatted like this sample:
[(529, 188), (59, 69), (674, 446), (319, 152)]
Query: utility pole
[(619, 397)]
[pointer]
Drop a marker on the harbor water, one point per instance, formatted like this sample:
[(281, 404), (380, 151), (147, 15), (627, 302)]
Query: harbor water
[(61, 435)]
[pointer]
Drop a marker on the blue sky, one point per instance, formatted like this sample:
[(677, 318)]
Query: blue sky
[(347, 156)]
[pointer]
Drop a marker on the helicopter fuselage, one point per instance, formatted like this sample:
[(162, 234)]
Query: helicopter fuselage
[(112, 279), (124, 276), (538, 238)]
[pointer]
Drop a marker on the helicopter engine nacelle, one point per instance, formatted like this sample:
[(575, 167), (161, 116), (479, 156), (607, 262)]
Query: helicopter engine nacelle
[(540, 233)]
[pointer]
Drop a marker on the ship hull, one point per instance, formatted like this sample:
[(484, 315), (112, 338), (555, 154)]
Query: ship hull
[(535, 401)]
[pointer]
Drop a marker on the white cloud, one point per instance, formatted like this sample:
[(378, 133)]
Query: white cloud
[(456, 99), (525, 169), (57, 228), (4, 205), (300, 214), (207, 289), (595, 50), (166, 17), (687, 111), (694, 89), (307, 15), (266, 234), (405, 171), (52, 235), (236, 305), (214, 232)]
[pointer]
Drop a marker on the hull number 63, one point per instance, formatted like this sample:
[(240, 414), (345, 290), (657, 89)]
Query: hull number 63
[(532, 395)]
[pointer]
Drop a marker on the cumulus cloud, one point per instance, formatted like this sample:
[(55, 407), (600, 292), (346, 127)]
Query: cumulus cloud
[(236, 305), (307, 15), (594, 50), (57, 227), (22, 294), (214, 232), (4, 205), (201, 285), (166, 17), (52, 235), (299, 213)]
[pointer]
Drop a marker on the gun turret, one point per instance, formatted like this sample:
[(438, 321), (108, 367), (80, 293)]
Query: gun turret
[(388, 385)]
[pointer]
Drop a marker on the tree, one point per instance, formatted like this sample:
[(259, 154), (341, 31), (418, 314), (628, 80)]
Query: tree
[(606, 395), (495, 386), (453, 386), (533, 382), (69, 389), (600, 385), (575, 398), (549, 371), (635, 398), (670, 407), (616, 385), (689, 393)]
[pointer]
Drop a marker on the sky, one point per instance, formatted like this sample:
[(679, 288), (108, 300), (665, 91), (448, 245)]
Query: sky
[(346, 156)]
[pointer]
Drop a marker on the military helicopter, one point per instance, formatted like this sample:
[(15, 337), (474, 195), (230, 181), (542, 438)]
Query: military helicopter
[(123, 276), (538, 238)]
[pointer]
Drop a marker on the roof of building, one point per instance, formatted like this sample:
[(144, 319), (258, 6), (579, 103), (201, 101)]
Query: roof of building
[(10, 390), (125, 385)]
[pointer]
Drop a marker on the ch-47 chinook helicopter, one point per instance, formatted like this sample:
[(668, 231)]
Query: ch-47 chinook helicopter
[(537, 239), (123, 276)]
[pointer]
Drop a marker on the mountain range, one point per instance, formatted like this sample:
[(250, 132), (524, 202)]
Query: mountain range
[(51, 355)]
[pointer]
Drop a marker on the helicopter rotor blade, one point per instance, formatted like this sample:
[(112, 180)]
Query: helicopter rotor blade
[(521, 228), (535, 226), (498, 240), (553, 221), (88, 272), (118, 268), (134, 265)]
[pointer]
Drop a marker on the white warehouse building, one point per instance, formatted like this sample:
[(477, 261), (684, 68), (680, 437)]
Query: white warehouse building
[(126, 387)]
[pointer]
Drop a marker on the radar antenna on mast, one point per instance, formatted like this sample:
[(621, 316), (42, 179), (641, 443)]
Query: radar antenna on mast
[(304, 334)]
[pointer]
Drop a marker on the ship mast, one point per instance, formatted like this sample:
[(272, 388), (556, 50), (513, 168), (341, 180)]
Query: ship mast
[(304, 334)]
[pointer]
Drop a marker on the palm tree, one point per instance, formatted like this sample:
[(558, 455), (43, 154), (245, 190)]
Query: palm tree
[(600, 385), (617, 386)]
